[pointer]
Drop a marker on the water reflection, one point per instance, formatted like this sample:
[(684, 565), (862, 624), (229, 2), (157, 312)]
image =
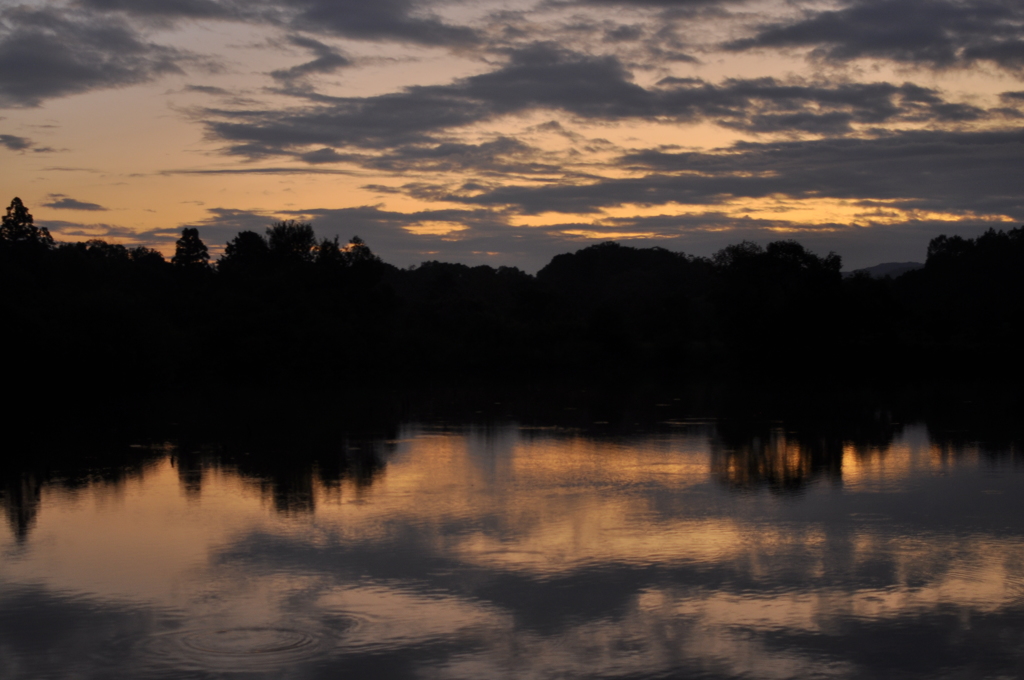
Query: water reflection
[(777, 459), (504, 550), (20, 497)]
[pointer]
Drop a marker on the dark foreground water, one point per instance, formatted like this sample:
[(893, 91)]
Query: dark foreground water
[(505, 551)]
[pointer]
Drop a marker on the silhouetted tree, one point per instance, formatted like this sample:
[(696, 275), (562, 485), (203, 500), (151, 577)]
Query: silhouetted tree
[(970, 296), (146, 256), (329, 254), (100, 249), (246, 252), (190, 251), (778, 304), (17, 227), (357, 252), (292, 241)]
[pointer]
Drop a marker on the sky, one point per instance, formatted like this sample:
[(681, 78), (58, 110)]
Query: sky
[(505, 132)]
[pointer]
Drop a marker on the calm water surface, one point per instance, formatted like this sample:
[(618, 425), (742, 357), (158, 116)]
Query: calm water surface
[(513, 552)]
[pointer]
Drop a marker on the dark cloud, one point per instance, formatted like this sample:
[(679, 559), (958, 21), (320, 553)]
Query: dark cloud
[(624, 33), (328, 60), (45, 54), (654, 4), (61, 202), (670, 4), (207, 89), (15, 143), (64, 230), (324, 155), (192, 9), (221, 225), (536, 77), (502, 157), (403, 20), (258, 171), (931, 33), (382, 121), (542, 76), (398, 20)]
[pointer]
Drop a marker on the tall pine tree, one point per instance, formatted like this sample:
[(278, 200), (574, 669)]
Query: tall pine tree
[(17, 227), (190, 251)]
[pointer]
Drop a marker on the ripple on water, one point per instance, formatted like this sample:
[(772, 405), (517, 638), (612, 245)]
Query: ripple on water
[(243, 648), (248, 648)]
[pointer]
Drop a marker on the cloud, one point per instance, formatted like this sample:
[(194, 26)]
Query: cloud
[(666, 8), (61, 202), (391, 20), (935, 34), (45, 53), (328, 60), (502, 156), (539, 76), (545, 77), (64, 230), (921, 170), (402, 20), (15, 143), (221, 225), (207, 89), (191, 9)]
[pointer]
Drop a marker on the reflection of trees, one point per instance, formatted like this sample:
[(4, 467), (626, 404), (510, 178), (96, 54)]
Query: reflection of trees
[(787, 459), (191, 466), (23, 478), (291, 482), (776, 458), (20, 497), (984, 419), (807, 443), (287, 473), (289, 463)]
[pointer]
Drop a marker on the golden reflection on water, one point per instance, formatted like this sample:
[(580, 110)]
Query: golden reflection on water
[(681, 533)]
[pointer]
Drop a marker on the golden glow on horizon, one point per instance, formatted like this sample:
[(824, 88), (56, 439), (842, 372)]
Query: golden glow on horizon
[(623, 235), (435, 228), (779, 214)]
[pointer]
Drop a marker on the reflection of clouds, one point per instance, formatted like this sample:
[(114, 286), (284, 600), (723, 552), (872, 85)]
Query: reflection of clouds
[(652, 638), (597, 534), (389, 617), (980, 583)]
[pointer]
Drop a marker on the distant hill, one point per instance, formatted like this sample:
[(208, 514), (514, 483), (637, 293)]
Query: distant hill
[(893, 269)]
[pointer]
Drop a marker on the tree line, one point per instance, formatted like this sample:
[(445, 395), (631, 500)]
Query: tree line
[(286, 310)]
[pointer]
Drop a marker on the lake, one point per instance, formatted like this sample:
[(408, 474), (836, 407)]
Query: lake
[(692, 548)]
